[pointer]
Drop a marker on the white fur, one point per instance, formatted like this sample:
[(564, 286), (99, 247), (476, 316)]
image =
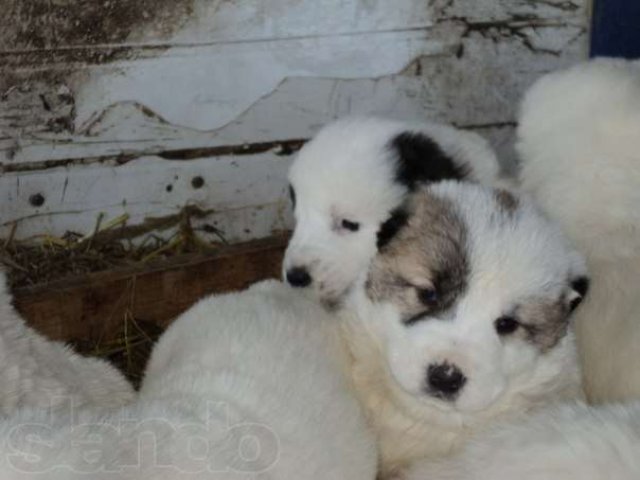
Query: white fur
[(579, 141), (265, 365), (514, 258), (567, 442), (277, 359), (347, 172), (37, 372)]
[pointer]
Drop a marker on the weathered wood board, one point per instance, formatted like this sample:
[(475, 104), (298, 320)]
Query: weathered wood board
[(92, 309), (103, 104), (240, 197)]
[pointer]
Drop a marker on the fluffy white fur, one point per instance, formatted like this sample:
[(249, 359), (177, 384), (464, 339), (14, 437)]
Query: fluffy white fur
[(347, 172), (579, 142), (37, 372), (567, 442), (273, 361), (242, 386), (516, 258), (277, 358)]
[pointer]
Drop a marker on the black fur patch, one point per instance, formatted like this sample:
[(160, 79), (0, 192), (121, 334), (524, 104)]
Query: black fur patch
[(397, 219), (580, 285), (421, 160), (292, 195)]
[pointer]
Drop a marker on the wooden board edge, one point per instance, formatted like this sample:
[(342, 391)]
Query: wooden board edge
[(95, 307)]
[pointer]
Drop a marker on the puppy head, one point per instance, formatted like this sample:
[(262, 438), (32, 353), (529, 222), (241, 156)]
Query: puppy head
[(471, 301), (347, 185)]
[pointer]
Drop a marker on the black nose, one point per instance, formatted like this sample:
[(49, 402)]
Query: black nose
[(298, 277), (445, 380)]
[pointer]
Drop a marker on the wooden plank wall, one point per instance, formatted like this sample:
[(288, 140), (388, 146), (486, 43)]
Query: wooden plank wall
[(145, 106), (93, 309)]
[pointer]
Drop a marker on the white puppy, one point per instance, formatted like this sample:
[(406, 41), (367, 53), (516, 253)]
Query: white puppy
[(38, 372), (276, 359), (348, 182), (567, 442), (242, 386), (463, 319), (579, 141)]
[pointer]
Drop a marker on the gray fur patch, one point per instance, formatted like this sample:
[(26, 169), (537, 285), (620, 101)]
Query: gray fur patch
[(430, 252), (544, 322), (506, 200)]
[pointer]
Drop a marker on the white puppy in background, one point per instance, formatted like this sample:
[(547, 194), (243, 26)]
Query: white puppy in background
[(462, 320), (567, 442), (579, 142), (37, 372), (348, 183)]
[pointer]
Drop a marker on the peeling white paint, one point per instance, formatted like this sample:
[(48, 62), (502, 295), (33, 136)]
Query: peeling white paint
[(246, 195), (231, 77), (259, 71)]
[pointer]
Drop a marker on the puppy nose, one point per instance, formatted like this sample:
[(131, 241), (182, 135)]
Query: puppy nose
[(445, 380), (298, 277)]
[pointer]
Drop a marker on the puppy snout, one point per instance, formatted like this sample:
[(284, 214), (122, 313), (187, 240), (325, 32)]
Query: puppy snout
[(445, 380), (299, 277)]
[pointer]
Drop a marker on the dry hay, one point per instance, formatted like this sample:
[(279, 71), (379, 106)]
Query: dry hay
[(129, 351), (112, 245)]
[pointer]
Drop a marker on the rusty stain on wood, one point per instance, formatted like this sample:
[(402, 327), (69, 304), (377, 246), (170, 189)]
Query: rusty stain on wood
[(280, 147), (94, 306), (67, 162)]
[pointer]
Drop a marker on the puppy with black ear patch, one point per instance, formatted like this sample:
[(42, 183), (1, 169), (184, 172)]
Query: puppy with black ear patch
[(348, 186), (462, 319)]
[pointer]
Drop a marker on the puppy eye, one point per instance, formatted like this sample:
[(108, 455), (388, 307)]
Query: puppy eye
[(428, 296), (349, 225), (506, 325)]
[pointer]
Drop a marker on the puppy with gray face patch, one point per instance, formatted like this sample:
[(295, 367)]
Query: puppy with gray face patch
[(348, 182), (463, 318)]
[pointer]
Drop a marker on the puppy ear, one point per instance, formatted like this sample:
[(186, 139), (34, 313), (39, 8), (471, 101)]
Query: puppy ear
[(421, 160), (579, 289), (398, 218)]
